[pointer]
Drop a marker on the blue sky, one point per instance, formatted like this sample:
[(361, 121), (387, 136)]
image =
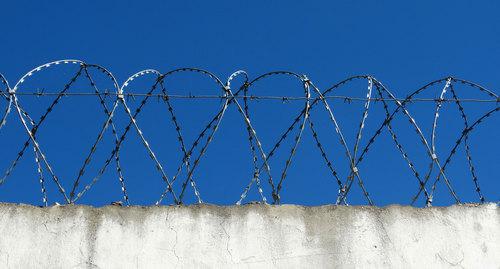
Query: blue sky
[(402, 44)]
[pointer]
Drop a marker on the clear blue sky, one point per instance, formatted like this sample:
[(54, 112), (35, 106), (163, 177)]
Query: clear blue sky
[(404, 45)]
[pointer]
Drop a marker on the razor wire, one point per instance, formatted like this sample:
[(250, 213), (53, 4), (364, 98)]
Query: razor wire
[(192, 153)]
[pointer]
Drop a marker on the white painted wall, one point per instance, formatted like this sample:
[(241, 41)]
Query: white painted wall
[(252, 236)]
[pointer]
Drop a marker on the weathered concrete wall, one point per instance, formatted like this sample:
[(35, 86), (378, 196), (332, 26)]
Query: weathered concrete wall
[(252, 236)]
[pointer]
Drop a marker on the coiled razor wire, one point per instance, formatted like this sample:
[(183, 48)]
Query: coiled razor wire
[(192, 152)]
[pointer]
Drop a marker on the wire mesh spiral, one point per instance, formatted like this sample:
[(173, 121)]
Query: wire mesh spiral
[(236, 91)]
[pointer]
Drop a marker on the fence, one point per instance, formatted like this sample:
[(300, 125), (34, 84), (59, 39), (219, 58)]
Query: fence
[(240, 96)]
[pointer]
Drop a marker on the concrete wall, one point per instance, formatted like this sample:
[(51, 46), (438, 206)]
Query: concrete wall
[(251, 236)]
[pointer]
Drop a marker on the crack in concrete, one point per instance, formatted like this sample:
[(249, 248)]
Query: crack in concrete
[(176, 237), (388, 238), (458, 263), (228, 239), (275, 259), (175, 244), (47, 228)]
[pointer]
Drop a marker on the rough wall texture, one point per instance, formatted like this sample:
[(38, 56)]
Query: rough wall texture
[(251, 236)]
